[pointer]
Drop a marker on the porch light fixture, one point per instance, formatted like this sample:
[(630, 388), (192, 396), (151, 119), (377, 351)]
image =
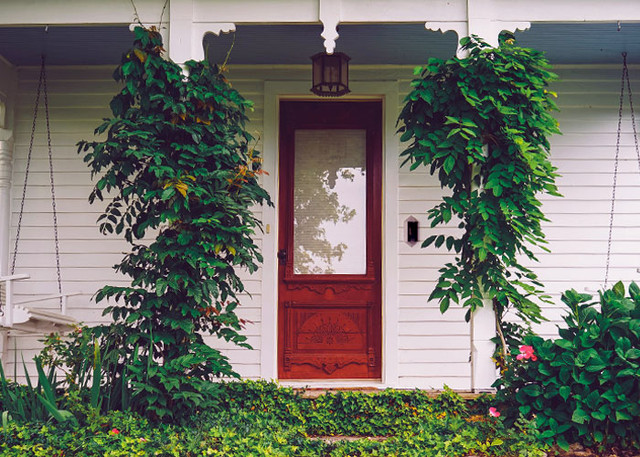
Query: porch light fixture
[(330, 74)]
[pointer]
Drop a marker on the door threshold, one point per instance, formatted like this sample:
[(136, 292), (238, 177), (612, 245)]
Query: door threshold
[(335, 384)]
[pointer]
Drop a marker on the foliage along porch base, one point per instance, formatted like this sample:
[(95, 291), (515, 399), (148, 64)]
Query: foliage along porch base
[(262, 419)]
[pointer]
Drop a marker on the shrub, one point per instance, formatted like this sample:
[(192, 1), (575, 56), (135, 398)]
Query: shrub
[(584, 386), (178, 162)]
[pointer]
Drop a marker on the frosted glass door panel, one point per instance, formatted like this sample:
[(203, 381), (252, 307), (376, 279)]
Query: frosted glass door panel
[(330, 200)]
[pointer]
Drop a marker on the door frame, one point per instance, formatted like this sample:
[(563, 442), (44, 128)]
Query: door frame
[(387, 91)]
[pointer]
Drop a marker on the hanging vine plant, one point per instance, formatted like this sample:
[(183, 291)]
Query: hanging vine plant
[(179, 165), (482, 124)]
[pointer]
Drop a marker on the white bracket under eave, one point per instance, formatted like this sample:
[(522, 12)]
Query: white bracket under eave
[(26, 318), (329, 14)]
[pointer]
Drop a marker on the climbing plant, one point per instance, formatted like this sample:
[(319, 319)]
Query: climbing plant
[(481, 123), (180, 167)]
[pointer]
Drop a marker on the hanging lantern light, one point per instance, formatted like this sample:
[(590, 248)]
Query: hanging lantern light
[(330, 74)]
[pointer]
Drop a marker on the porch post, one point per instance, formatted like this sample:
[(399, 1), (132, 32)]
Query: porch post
[(6, 165), (185, 34), (483, 328), (481, 21)]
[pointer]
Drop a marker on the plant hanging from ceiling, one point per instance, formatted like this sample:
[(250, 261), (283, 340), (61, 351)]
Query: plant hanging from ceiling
[(179, 164), (482, 124)]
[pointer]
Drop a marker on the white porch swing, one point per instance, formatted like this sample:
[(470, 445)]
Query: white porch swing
[(27, 316)]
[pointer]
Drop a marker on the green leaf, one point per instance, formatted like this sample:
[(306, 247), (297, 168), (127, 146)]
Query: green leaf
[(564, 344), (623, 416), (579, 416), (448, 164), (562, 443), (632, 353), (444, 305), (429, 241), (618, 289), (532, 390)]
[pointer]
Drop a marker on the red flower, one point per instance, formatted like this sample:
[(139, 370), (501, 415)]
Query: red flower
[(526, 352), (494, 412), (114, 431)]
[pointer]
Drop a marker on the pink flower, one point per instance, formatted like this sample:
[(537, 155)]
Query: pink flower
[(494, 412), (114, 431), (526, 352)]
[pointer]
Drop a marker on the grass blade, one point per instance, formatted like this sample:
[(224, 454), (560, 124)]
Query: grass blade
[(6, 418), (45, 382), (95, 382)]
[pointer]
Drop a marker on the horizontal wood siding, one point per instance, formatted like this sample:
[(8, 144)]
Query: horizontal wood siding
[(433, 349), (78, 100), (578, 227), (440, 355)]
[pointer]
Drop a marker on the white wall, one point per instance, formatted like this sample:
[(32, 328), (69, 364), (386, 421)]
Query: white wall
[(588, 98), (432, 349)]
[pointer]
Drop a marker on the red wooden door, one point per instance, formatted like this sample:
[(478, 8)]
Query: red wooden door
[(329, 310)]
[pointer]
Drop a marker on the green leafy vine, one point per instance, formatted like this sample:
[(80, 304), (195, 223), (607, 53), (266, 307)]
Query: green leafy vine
[(482, 124), (179, 165)]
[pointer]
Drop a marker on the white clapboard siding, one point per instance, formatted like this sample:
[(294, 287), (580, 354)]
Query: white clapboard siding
[(433, 349), (78, 101), (578, 226)]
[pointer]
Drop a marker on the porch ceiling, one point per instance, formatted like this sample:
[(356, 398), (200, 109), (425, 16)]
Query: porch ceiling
[(410, 44)]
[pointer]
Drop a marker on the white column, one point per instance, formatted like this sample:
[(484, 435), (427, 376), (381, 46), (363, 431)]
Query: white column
[(483, 328), (6, 165), (483, 323), (482, 20)]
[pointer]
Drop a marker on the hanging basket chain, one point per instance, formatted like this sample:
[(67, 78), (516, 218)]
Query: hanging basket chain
[(53, 191), (624, 80), (26, 171), (42, 89)]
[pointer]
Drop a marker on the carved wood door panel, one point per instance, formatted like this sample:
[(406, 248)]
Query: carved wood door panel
[(329, 267)]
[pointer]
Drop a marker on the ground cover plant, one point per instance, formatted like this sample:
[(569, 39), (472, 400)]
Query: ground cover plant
[(262, 419), (583, 387)]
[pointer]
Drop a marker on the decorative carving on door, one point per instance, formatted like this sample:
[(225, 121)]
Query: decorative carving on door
[(322, 288)]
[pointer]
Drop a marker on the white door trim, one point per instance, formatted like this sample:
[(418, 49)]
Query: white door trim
[(387, 91)]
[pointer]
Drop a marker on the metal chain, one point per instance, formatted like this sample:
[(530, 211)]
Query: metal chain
[(625, 78), (53, 191), (26, 172)]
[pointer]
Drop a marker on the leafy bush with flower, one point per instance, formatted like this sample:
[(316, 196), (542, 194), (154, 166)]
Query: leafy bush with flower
[(585, 386)]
